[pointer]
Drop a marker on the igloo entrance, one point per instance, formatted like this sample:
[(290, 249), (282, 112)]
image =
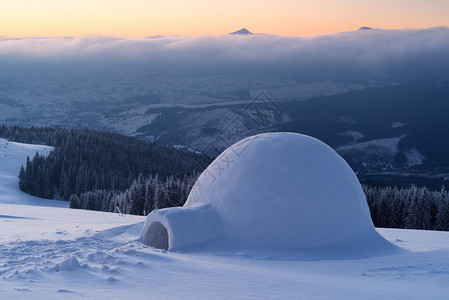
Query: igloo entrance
[(157, 236)]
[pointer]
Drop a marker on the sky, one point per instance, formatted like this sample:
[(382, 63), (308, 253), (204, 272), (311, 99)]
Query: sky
[(391, 55), (140, 18)]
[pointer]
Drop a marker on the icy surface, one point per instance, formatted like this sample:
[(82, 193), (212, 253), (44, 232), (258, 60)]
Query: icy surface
[(272, 190)]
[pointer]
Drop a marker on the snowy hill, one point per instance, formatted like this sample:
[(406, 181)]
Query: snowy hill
[(12, 156), (54, 252)]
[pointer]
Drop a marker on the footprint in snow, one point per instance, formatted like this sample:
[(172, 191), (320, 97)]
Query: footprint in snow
[(65, 291)]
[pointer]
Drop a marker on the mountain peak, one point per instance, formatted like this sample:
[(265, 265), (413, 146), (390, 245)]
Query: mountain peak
[(365, 28), (242, 31)]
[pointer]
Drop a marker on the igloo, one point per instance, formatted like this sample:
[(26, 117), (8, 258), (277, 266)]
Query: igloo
[(272, 190)]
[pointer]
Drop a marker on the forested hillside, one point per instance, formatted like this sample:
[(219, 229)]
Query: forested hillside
[(141, 198), (410, 208), (111, 172), (86, 160)]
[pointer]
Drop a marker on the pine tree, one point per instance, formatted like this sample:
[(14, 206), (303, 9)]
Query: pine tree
[(22, 180), (48, 186), (442, 217), (75, 202), (426, 209), (383, 214), (137, 196), (412, 219), (28, 175)]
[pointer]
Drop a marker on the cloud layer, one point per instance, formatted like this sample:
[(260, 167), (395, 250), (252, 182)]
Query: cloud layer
[(391, 54)]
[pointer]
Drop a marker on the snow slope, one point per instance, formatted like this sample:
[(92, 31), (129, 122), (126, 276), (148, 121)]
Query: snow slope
[(12, 156), (53, 252)]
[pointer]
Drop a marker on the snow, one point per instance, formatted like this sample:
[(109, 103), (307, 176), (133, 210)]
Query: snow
[(89, 98), (356, 135), (381, 152), (12, 156), (272, 190), (127, 122), (397, 124), (390, 145), (413, 157), (53, 252)]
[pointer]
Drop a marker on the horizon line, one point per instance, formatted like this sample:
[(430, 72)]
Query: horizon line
[(224, 34)]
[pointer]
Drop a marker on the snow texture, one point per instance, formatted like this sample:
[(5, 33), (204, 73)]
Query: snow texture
[(272, 190), (60, 253)]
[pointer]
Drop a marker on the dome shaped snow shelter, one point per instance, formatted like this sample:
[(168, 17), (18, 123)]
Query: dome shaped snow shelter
[(272, 190)]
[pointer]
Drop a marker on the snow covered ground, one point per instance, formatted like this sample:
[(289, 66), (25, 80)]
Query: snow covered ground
[(55, 252), (12, 156)]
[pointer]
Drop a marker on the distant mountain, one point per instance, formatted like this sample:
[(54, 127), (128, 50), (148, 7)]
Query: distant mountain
[(389, 135), (365, 28), (242, 31)]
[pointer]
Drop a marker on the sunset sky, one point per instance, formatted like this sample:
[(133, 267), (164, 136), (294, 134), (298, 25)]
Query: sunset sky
[(203, 17)]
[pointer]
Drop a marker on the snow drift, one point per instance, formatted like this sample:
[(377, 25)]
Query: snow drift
[(272, 190)]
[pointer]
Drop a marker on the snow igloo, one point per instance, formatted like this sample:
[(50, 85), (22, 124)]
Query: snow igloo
[(272, 190)]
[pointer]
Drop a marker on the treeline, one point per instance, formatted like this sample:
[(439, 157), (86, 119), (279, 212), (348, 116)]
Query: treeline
[(88, 160), (36, 178), (140, 198), (410, 208), (390, 207), (112, 172)]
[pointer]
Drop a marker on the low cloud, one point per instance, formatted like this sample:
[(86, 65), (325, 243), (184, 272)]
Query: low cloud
[(398, 55)]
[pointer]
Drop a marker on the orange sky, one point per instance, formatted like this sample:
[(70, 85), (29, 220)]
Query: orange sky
[(201, 17)]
